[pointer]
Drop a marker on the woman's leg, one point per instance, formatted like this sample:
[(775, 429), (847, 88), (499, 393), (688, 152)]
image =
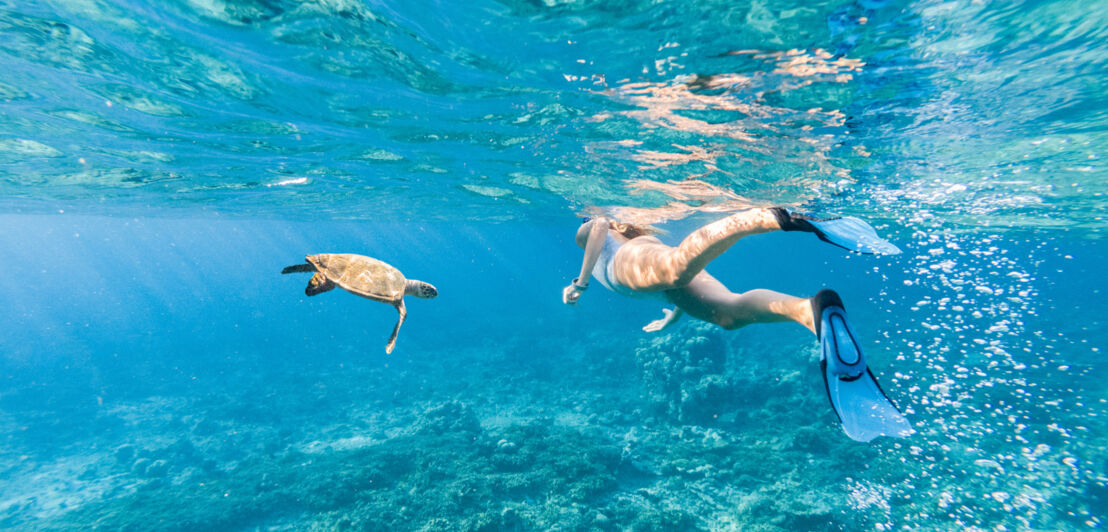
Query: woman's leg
[(647, 265), (708, 299)]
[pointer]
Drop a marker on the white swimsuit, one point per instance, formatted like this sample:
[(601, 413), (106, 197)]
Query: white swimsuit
[(602, 271)]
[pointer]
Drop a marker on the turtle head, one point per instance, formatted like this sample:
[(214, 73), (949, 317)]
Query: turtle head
[(319, 261), (420, 289)]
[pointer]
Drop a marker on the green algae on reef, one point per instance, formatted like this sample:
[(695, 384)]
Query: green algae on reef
[(590, 456), (447, 467)]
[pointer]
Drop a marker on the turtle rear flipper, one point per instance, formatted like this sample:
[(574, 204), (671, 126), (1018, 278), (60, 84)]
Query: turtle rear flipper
[(395, 330), (298, 268), (318, 285)]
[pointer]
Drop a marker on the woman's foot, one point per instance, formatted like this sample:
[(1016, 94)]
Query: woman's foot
[(847, 232)]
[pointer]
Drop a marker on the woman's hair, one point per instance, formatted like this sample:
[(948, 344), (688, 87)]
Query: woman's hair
[(630, 231)]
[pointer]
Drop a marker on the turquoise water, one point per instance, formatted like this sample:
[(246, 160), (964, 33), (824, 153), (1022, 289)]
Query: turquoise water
[(161, 162)]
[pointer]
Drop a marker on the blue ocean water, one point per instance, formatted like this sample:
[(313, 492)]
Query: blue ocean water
[(160, 162)]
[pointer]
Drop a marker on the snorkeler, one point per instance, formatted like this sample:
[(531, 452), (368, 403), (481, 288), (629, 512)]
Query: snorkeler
[(629, 261)]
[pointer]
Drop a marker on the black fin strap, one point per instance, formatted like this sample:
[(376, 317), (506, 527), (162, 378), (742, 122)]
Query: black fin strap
[(823, 299), (792, 221)]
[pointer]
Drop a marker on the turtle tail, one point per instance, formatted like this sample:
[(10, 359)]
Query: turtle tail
[(299, 268)]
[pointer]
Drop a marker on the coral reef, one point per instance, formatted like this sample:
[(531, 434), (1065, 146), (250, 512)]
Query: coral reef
[(682, 372), (683, 431)]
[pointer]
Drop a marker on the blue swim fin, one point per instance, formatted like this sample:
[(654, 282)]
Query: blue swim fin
[(863, 408), (847, 232)]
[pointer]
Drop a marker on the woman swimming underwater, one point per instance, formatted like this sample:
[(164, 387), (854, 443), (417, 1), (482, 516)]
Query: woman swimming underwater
[(629, 261)]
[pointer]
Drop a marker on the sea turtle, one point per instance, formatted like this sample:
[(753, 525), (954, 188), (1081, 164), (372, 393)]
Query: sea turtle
[(363, 276)]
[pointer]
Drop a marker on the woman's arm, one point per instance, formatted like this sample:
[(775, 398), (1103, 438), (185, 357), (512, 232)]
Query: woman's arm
[(597, 232)]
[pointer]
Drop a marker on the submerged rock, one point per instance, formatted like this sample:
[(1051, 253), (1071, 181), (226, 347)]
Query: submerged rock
[(139, 466), (156, 469), (124, 453), (506, 446)]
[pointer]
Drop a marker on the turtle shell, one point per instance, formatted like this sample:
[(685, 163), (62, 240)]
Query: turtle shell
[(361, 275)]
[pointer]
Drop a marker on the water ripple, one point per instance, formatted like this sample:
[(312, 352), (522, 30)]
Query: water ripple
[(982, 114)]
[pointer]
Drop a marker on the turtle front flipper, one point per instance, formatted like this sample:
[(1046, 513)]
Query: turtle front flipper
[(392, 339), (318, 285), (298, 268)]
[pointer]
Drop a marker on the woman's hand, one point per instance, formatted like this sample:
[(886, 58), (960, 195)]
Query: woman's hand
[(572, 293), (671, 317)]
